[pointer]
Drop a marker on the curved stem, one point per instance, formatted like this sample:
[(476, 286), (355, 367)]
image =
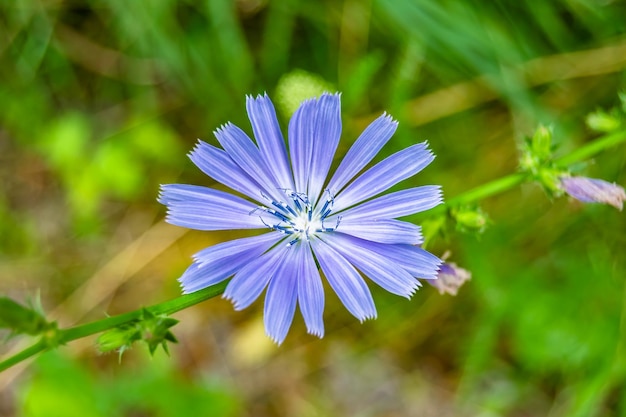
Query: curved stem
[(77, 332), (592, 148)]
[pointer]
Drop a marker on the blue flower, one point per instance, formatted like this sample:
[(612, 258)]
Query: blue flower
[(339, 225)]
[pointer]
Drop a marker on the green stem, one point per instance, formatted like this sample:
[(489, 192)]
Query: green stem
[(592, 148), (505, 183), (32, 350), (168, 307), (487, 190), (72, 333)]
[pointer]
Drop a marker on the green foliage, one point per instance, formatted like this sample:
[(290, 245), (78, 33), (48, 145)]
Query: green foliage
[(61, 387), (19, 319), (561, 329)]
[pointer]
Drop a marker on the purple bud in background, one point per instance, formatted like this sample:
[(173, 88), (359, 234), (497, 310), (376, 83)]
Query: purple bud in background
[(591, 190), (450, 278)]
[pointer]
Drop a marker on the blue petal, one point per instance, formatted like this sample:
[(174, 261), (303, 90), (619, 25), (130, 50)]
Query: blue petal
[(310, 291), (377, 267), (345, 281), (218, 262), (269, 138), (235, 248), (398, 204), (280, 300), (415, 260), (196, 278), (245, 154), (251, 280), (203, 208), (301, 143), (369, 143), (325, 135), (383, 231), (216, 163), (385, 174)]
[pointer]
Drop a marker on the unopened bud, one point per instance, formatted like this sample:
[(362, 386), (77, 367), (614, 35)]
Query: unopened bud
[(470, 219), (601, 121), (450, 278), (591, 190), (541, 143)]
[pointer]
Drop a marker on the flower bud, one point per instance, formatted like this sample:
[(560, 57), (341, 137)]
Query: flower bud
[(450, 278), (119, 338), (541, 143), (470, 219), (591, 190), (601, 121)]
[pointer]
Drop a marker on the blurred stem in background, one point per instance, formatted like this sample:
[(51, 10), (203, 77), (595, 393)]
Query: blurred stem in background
[(53, 337)]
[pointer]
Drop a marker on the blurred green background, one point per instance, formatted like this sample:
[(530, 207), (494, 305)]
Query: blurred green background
[(101, 100)]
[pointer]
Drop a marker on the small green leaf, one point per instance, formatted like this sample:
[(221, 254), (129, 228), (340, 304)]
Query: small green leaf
[(156, 331), (152, 329), (20, 319)]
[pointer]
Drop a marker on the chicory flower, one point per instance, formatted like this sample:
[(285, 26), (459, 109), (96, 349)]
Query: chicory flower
[(340, 223)]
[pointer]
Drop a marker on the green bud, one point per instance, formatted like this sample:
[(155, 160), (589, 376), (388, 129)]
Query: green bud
[(528, 163), (470, 219), (119, 338), (20, 319), (541, 143), (152, 329), (600, 121)]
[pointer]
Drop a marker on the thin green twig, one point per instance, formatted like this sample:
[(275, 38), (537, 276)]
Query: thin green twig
[(62, 336)]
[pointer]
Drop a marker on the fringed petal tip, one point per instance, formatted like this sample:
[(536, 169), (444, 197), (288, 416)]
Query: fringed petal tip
[(370, 316), (184, 289), (222, 128), (259, 96), (433, 271), (197, 148), (387, 118), (163, 196), (316, 332), (428, 153), (236, 305), (438, 194), (413, 290)]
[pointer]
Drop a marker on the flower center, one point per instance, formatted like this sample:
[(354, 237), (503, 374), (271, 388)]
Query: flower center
[(298, 217)]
